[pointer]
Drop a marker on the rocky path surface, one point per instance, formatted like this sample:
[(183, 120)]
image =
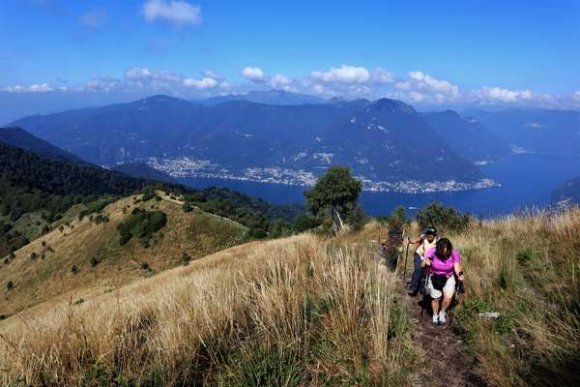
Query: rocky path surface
[(446, 360)]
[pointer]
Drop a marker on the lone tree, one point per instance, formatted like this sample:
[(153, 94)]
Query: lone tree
[(336, 194)]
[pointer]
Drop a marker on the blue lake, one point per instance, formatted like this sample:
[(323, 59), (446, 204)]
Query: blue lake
[(527, 180)]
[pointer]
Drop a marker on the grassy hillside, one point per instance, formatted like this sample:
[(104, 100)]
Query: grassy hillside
[(81, 254), (284, 312), (527, 269), (308, 311)]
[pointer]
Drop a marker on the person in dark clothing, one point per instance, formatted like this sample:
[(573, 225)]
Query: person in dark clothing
[(426, 241)]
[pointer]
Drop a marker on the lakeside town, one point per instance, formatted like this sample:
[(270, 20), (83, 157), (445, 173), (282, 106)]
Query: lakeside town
[(186, 167)]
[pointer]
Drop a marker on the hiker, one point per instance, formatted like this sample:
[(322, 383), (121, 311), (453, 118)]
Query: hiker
[(444, 263), (426, 241)]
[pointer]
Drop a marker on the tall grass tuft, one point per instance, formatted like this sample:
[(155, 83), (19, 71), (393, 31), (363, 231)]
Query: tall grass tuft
[(526, 268), (298, 311)]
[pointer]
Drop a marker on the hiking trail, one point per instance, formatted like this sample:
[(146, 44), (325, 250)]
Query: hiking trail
[(445, 359), (443, 349)]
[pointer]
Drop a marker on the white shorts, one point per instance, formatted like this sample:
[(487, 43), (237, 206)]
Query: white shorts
[(448, 288)]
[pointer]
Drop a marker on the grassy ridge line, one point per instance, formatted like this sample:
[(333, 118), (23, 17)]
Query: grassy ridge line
[(49, 274), (165, 196), (284, 312)]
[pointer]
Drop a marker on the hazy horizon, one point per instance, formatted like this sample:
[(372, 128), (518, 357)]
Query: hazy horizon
[(457, 55)]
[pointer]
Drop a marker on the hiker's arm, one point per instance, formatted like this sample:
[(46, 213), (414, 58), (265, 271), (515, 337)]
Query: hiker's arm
[(458, 267), (414, 241), (426, 262)]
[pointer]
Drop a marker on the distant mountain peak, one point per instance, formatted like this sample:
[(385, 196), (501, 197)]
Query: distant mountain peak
[(392, 106), (161, 98)]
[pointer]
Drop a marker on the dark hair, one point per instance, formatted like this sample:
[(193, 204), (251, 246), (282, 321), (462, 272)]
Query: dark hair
[(441, 245), (430, 231)]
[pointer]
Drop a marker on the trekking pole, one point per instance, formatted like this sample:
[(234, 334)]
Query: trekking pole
[(425, 296), (406, 254)]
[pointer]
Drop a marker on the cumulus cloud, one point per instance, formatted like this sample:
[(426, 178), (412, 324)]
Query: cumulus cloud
[(422, 87), (254, 74), (498, 94), (344, 74), (381, 76), (418, 81), (201, 84), (349, 81), (94, 19), (176, 12), (137, 73), (576, 96), (34, 88), (144, 74)]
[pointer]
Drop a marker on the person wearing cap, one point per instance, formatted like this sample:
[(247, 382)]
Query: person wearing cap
[(426, 241)]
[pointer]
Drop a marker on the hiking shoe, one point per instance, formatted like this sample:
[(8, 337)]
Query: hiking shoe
[(436, 319), (442, 316)]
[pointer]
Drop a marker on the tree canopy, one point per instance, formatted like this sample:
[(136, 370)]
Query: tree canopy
[(335, 193)]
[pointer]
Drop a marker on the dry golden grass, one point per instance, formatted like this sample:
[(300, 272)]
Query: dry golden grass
[(49, 274), (296, 311), (307, 311), (525, 267)]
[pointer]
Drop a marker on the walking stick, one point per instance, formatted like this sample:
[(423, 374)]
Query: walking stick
[(426, 296), (406, 254)]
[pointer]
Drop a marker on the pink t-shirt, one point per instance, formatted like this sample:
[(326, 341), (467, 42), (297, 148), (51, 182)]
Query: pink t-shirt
[(439, 266)]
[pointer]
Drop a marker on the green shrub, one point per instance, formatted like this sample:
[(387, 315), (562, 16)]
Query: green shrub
[(141, 224), (97, 206), (398, 219), (444, 218), (94, 261), (148, 194), (306, 222)]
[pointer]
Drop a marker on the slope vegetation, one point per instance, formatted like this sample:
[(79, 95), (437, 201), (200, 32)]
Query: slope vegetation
[(80, 254), (310, 311)]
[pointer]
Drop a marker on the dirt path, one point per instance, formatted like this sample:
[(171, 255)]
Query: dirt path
[(446, 360)]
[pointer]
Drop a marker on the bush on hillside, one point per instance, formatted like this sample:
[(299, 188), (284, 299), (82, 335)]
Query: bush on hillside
[(443, 218), (398, 219), (141, 224), (306, 222)]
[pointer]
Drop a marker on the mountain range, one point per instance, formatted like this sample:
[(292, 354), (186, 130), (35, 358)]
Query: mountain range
[(534, 131), (386, 142), (19, 138)]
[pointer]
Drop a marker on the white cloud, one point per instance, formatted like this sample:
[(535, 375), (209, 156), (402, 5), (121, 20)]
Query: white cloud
[(137, 73), (498, 94), (160, 79), (34, 88), (176, 12), (381, 76), (344, 74), (94, 19), (416, 96), (576, 96), (201, 84), (254, 74), (282, 82), (422, 87), (427, 82)]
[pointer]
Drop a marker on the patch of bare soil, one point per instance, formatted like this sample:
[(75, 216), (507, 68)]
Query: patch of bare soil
[(447, 362)]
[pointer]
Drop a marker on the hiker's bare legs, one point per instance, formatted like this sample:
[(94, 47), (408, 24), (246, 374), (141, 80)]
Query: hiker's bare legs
[(435, 305), (447, 297)]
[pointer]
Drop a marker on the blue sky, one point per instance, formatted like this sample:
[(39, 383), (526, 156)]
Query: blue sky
[(424, 52)]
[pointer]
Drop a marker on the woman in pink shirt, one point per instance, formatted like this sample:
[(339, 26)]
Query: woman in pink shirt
[(443, 263)]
